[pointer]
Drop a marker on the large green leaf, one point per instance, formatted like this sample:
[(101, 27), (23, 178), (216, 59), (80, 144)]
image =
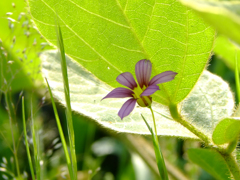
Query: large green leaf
[(211, 161), (109, 37), (224, 15), (226, 130), (87, 91)]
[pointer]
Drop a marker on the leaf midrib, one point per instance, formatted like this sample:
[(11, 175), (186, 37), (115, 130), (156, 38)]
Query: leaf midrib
[(209, 166), (135, 36), (82, 39), (185, 57), (138, 40)]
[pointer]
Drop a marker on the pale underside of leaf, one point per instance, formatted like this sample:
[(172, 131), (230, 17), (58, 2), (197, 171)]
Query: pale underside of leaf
[(87, 91), (210, 101), (109, 38), (86, 94)]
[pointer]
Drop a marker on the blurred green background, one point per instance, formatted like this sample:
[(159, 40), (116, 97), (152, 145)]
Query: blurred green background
[(101, 153)]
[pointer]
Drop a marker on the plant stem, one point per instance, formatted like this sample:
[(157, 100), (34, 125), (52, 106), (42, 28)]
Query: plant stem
[(176, 116), (154, 124), (11, 126), (159, 157), (231, 146), (232, 165), (230, 160)]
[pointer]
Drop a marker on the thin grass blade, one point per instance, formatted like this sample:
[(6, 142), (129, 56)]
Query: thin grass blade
[(10, 115), (61, 133), (67, 99), (237, 78), (36, 151), (159, 157), (150, 129), (26, 141)]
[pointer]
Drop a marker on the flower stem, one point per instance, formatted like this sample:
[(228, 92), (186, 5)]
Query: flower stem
[(159, 157), (154, 124)]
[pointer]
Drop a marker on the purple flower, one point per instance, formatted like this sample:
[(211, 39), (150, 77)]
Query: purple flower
[(141, 92)]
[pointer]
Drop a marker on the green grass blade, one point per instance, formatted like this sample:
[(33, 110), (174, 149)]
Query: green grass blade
[(35, 147), (163, 115), (68, 101), (61, 133), (26, 141), (237, 78), (159, 157), (150, 129), (10, 115)]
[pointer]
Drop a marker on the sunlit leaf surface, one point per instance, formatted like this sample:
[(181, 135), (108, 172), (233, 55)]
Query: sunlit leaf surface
[(21, 44), (223, 15), (109, 37), (87, 91)]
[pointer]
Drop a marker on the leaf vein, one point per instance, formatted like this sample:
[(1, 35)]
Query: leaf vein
[(97, 15), (126, 48), (168, 36), (184, 59), (93, 49)]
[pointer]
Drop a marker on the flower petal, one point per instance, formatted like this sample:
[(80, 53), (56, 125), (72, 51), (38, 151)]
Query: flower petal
[(127, 79), (162, 78), (143, 70), (150, 90), (127, 108), (119, 93)]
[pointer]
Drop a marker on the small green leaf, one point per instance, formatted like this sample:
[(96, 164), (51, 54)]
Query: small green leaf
[(226, 130), (87, 91), (222, 15), (211, 161), (109, 37), (210, 101)]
